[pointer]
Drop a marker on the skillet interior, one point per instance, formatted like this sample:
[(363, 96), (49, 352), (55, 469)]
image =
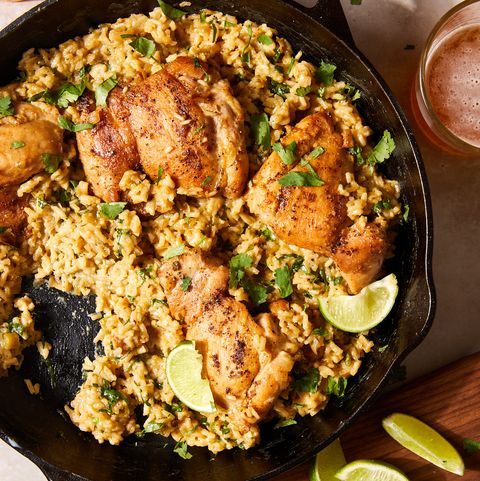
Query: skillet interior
[(37, 427)]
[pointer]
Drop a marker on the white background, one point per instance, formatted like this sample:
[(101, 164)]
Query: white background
[(381, 29)]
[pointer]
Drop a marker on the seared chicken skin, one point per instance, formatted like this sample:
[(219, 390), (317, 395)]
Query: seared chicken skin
[(24, 137), (316, 217), (242, 360), (182, 120)]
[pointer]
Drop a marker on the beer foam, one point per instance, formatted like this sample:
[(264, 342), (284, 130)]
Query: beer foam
[(453, 83)]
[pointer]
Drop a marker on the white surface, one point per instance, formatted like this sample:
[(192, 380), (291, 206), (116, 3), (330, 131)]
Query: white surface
[(381, 29)]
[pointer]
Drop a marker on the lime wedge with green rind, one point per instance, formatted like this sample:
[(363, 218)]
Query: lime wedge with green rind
[(421, 439), (365, 310), (184, 375), (327, 462), (367, 470)]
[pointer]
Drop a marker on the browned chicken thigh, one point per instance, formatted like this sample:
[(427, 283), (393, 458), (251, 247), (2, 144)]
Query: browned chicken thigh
[(242, 359), (183, 120), (24, 137), (315, 217)]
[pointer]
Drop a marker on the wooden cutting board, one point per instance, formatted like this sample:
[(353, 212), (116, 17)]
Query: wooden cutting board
[(448, 400)]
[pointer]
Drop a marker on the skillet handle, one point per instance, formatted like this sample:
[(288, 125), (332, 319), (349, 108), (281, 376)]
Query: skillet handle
[(330, 14), (54, 474)]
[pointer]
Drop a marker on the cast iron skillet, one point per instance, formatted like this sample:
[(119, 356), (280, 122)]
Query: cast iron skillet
[(37, 427)]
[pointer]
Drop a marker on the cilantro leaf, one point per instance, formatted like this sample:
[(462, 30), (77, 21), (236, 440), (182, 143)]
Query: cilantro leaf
[(171, 12), (102, 91), (67, 124), (237, 265), (6, 107), (287, 154), (51, 162), (111, 395), (319, 331), (245, 54), (203, 16), (207, 180), (67, 94), (352, 92), (144, 46), (278, 88), (316, 152), (284, 423), (336, 387), (303, 91), (17, 144), (174, 251), (290, 66), (260, 128), (214, 32), (256, 292), (382, 151), (471, 446), (111, 210), (301, 179), (159, 173), (324, 73), (186, 283), (264, 39), (381, 205), (283, 280), (406, 212), (181, 449), (308, 382), (357, 153)]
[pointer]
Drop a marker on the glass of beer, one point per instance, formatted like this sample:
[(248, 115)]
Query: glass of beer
[(446, 94)]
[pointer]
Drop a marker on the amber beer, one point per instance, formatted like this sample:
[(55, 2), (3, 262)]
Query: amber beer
[(447, 91)]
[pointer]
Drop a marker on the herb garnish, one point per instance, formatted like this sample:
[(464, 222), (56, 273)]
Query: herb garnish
[(284, 423), (51, 162), (16, 327), (260, 128), (316, 152), (63, 96), (67, 124), (302, 179), (319, 331), (471, 446), (174, 251), (111, 395), (102, 91), (149, 428), (264, 39), (214, 32), (287, 154), (357, 153), (228, 24), (171, 12), (382, 151), (203, 16), (303, 91), (237, 265), (283, 280), (6, 107), (324, 73), (406, 212), (308, 382), (256, 292), (352, 92), (278, 88), (111, 210), (186, 283), (336, 387), (245, 54), (17, 144), (159, 174), (181, 449), (381, 205), (144, 46), (197, 64), (290, 66)]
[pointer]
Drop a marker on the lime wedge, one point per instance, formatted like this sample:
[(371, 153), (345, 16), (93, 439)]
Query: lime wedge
[(424, 441), (327, 462), (184, 374), (365, 310), (365, 470)]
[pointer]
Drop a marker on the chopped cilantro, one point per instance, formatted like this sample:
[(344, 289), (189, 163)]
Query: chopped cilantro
[(159, 174), (214, 32), (357, 153), (316, 152), (284, 423), (225, 428), (111, 395), (382, 348), (186, 283), (406, 212), (145, 272), (276, 55), (308, 382), (245, 54), (181, 449), (228, 24), (84, 70), (149, 428), (17, 144), (102, 91), (207, 180), (283, 280), (171, 12), (321, 92), (66, 94), (319, 331), (301, 179), (260, 128), (51, 162), (203, 16), (471, 446), (264, 39), (303, 91), (381, 205), (324, 73), (382, 151), (287, 154), (16, 327), (111, 210), (6, 107), (67, 124), (336, 387), (237, 265), (278, 88), (174, 251), (268, 234), (197, 64), (144, 46), (256, 292), (352, 92), (290, 66)]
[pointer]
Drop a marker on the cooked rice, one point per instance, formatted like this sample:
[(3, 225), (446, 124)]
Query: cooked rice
[(75, 249)]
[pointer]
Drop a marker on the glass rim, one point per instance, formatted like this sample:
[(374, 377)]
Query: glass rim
[(451, 137)]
